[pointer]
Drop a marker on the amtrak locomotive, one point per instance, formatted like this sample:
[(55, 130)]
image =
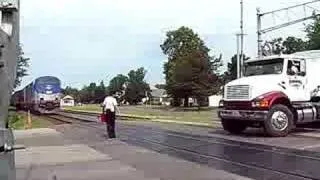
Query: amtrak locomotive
[(42, 95)]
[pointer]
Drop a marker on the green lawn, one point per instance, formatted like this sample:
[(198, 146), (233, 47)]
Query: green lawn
[(17, 121), (158, 112)]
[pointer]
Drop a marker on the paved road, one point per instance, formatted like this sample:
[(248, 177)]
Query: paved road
[(251, 155), (153, 165), (301, 139), (246, 159), (51, 156)]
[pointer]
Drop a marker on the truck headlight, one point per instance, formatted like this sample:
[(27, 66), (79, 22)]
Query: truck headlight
[(221, 103), (260, 103)]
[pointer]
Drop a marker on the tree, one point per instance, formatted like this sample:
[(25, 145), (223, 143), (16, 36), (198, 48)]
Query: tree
[(22, 65), (313, 34), (276, 46), (88, 93), (231, 73), (293, 44), (117, 84), (74, 92), (288, 46), (190, 71), (85, 94), (136, 87), (100, 92), (92, 92)]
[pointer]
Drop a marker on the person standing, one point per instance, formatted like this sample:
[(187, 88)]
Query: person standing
[(110, 107)]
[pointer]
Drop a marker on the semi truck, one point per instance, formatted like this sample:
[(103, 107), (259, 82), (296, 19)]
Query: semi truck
[(276, 93)]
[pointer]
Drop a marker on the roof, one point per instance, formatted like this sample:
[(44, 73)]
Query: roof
[(303, 54), (270, 57), (67, 97), (14, 3), (158, 92), (313, 54)]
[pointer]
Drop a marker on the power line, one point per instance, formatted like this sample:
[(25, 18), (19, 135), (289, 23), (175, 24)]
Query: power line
[(290, 7), (307, 15)]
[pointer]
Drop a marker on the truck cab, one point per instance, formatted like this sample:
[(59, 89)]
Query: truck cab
[(276, 93)]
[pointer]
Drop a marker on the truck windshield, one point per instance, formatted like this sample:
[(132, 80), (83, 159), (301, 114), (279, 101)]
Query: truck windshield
[(272, 66)]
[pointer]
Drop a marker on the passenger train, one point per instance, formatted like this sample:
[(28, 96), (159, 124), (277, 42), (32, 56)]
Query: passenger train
[(42, 95)]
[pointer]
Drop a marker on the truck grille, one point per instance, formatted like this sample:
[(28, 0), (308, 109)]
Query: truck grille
[(238, 92)]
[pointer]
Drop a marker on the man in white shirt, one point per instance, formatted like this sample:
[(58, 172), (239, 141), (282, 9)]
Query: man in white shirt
[(110, 105)]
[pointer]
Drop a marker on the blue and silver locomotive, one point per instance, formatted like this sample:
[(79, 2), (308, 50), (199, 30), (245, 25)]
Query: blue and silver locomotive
[(42, 95)]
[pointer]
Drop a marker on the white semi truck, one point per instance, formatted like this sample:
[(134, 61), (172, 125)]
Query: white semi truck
[(276, 92)]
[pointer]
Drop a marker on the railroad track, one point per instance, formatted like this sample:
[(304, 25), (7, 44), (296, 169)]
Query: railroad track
[(285, 163), (204, 156), (215, 121), (58, 118), (194, 156), (122, 116), (68, 119)]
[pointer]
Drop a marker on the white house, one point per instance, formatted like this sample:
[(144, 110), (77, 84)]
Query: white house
[(214, 100), (159, 96), (67, 101)]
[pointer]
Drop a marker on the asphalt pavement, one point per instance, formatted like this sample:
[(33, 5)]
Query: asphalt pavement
[(251, 160), (76, 152), (168, 151)]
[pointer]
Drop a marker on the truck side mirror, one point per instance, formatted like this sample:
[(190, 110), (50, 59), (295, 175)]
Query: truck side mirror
[(290, 72), (302, 73)]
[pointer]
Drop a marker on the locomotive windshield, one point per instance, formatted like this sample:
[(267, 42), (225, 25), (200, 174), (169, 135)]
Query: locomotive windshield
[(263, 67), (47, 85), (48, 80)]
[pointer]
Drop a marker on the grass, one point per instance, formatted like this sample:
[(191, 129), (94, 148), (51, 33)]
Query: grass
[(17, 121), (204, 115)]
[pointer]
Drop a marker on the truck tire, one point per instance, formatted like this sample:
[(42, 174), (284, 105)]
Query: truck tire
[(233, 126), (279, 121)]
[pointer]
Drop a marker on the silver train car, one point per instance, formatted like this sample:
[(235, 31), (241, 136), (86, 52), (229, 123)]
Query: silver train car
[(41, 96)]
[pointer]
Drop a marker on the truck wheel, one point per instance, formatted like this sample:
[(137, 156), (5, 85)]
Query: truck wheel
[(279, 121), (233, 126)]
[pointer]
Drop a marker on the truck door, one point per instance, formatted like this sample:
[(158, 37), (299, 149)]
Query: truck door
[(297, 79)]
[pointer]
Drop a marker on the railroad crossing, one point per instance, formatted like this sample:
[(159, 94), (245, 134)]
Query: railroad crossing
[(78, 142), (76, 146)]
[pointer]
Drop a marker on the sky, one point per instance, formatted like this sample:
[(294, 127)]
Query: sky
[(81, 41)]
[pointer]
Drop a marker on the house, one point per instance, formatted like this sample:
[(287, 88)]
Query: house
[(214, 100), (159, 97), (67, 101)]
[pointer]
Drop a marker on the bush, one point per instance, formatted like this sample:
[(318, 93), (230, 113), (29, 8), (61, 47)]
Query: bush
[(14, 120)]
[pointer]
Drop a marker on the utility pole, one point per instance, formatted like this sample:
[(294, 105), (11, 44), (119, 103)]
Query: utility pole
[(241, 30), (240, 42), (238, 56), (259, 32)]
